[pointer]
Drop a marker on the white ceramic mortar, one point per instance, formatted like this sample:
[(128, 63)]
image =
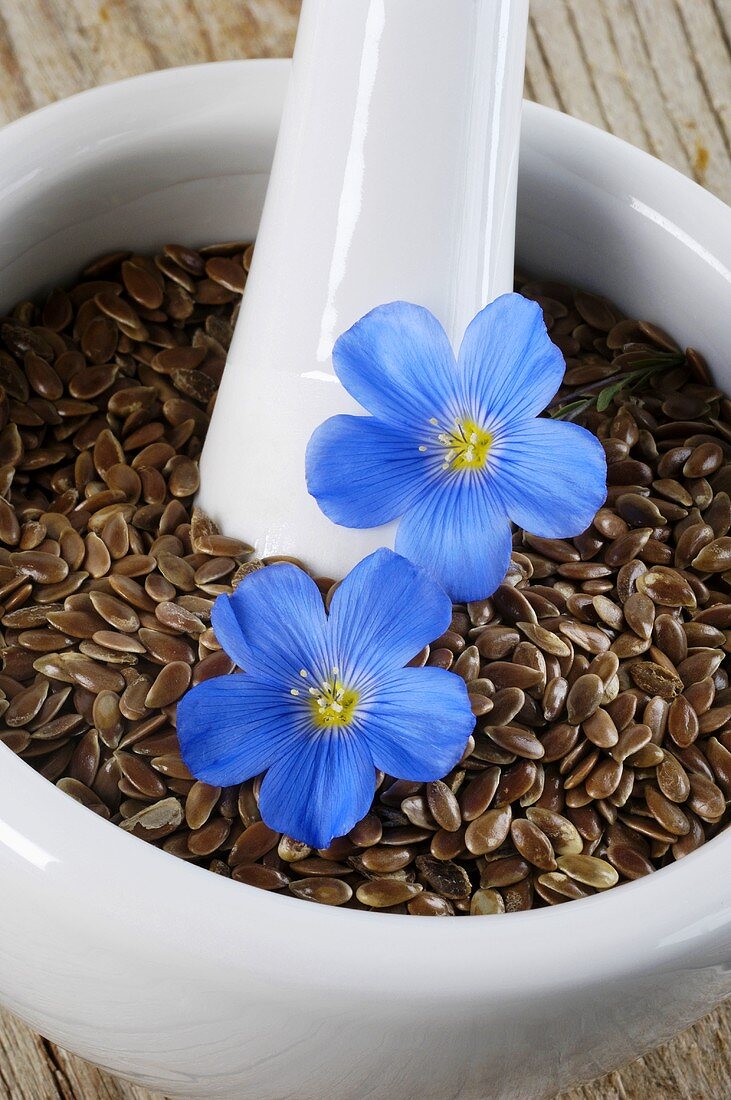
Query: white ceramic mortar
[(199, 986)]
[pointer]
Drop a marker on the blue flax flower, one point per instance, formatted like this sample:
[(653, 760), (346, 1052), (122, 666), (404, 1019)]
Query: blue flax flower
[(325, 699), (454, 447)]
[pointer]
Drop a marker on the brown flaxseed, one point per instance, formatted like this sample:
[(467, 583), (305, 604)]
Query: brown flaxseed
[(597, 671)]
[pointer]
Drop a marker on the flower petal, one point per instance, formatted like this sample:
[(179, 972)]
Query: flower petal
[(552, 477), (398, 363), (461, 535), (419, 723), (363, 473), (233, 727), (382, 614), (510, 368), (319, 788), (273, 624)]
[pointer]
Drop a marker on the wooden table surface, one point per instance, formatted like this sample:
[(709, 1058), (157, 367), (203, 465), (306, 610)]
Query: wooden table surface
[(655, 72)]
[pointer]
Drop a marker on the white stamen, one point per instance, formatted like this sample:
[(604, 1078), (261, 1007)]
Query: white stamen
[(433, 420), (313, 691), (303, 673), (293, 691), (422, 449)]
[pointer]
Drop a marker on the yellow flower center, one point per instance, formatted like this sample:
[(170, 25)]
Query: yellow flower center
[(465, 445), (331, 702)]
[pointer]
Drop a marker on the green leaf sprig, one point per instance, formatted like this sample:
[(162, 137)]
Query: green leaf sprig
[(601, 394)]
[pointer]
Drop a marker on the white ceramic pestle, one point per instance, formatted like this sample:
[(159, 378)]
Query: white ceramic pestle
[(394, 178)]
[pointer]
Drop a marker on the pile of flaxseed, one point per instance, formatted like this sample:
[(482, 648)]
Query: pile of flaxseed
[(597, 671)]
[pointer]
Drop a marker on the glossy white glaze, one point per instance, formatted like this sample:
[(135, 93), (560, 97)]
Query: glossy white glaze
[(394, 178), (201, 987)]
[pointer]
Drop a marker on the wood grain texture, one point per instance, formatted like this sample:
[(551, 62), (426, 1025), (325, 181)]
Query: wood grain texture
[(655, 72)]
